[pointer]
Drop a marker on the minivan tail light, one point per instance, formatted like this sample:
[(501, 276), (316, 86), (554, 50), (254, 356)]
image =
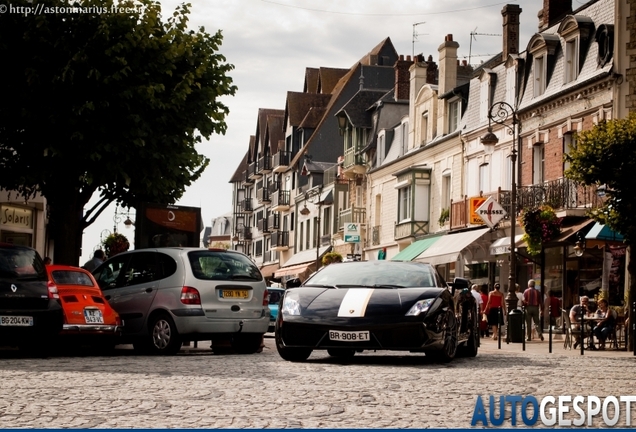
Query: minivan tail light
[(266, 298), (53, 293), (190, 295)]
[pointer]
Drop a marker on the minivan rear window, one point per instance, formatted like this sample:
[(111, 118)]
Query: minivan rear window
[(21, 263), (220, 265)]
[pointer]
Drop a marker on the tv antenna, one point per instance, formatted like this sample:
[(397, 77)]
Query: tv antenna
[(415, 35), (472, 36)]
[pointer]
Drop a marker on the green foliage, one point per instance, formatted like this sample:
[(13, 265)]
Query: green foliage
[(606, 155), (115, 243), (444, 216), (331, 257), (113, 102), (540, 225)]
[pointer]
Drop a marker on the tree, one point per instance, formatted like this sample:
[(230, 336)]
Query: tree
[(606, 155), (110, 101)]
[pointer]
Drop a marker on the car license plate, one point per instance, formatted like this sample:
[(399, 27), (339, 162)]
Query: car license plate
[(93, 316), (348, 336), (235, 294), (23, 321)]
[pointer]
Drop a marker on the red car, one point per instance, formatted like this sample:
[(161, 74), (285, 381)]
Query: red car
[(86, 312)]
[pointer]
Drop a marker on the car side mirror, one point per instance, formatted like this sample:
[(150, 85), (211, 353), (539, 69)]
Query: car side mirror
[(459, 284)]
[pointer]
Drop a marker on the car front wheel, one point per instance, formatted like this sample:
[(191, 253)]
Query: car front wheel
[(291, 354), (164, 337)]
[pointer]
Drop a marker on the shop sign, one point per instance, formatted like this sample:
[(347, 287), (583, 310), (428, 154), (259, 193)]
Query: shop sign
[(17, 217), (491, 212), (352, 233), (474, 205)]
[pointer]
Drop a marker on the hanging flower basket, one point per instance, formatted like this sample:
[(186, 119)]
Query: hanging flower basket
[(541, 225), (114, 244)]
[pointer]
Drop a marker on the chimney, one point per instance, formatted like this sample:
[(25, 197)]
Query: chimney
[(552, 12), (431, 71), (402, 77), (447, 64), (510, 15)]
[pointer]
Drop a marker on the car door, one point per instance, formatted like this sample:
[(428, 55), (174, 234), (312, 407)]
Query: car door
[(132, 292)]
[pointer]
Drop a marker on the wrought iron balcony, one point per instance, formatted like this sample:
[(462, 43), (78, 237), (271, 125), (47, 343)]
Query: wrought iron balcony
[(247, 181), (279, 240), (263, 225), (264, 165), (263, 196), (273, 221), (245, 206), (273, 186), (375, 235), (244, 233), (280, 200), (252, 172), (281, 161)]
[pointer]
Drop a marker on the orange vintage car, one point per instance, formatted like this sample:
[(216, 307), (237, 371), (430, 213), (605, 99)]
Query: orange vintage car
[(87, 313)]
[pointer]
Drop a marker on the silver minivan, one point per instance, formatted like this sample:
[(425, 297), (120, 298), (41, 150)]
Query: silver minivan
[(168, 296)]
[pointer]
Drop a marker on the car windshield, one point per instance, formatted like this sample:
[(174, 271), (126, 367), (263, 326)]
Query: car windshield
[(221, 265), (70, 277), (18, 263), (377, 274)]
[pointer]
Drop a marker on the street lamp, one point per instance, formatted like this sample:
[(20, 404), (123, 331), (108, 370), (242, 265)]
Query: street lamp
[(499, 113)]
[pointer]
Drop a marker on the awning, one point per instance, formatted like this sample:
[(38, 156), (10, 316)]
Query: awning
[(413, 250), (448, 249), (326, 198), (502, 246), (293, 270), (603, 232), (268, 270), (571, 229)]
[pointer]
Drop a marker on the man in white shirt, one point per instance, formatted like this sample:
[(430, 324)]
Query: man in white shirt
[(475, 292)]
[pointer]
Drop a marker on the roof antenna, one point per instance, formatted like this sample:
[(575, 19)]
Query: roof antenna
[(415, 35), (472, 36)]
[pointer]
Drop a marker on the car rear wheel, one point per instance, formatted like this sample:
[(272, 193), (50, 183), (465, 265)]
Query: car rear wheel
[(164, 337), (341, 352), (247, 343)]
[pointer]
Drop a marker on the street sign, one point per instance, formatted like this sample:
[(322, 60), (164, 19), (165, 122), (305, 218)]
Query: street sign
[(491, 212), (352, 233)]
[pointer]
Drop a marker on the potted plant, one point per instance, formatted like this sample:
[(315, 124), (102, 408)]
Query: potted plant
[(444, 216), (115, 243), (331, 257), (541, 225)]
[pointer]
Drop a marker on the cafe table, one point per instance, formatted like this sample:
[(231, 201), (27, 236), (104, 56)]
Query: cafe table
[(591, 321)]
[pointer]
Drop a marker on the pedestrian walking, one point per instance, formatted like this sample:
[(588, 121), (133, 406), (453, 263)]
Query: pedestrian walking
[(532, 302)]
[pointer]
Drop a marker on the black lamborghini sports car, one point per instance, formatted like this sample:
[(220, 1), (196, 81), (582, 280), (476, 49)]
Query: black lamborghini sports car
[(378, 305)]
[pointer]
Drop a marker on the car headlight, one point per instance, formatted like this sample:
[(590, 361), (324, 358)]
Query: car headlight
[(420, 307), (291, 306)]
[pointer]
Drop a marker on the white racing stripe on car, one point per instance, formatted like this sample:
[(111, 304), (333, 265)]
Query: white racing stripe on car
[(354, 303)]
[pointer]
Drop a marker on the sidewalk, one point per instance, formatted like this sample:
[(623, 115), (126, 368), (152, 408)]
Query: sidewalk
[(538, 347)]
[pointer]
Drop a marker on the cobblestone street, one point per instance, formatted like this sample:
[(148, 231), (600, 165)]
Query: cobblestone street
[(197, 389)]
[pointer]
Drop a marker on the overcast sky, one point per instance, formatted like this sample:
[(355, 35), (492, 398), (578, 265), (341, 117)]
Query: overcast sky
[(271, 42)]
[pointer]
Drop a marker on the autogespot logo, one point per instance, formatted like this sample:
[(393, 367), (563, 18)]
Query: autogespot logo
[(553, 411)]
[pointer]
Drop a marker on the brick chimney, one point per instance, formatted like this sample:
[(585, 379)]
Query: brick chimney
[(510, 15), (447, 64), (552, 12), (402, 77)]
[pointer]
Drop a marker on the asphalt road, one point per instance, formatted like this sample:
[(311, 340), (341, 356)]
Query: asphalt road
[(199, 389)]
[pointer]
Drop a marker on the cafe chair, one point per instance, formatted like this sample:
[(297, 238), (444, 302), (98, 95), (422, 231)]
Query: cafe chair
[(572, 333)]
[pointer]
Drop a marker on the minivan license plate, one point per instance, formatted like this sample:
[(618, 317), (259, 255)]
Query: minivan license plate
[(22, 321), (348, 336), (93, 316), (235, 294)]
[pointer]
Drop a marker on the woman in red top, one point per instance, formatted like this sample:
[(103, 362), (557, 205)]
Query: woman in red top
[(494, 305), (483, 325)]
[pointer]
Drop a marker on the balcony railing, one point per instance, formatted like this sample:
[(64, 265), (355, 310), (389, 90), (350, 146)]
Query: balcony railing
[(280, 200), (267, 256), (246, 178), (245, 205), (279, 240), (281, 161), (273, 221), (244, 233), (352, 214), (410, 229), (375, 235), (562, 194), (264, 165), (263, 225), (262, 195), (252, 172), (325, 240), (273, 186)]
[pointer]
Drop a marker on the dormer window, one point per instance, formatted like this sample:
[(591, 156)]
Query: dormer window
[(575, 31), (487, 83), (605, 41), (454, 110), (542, 48)]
